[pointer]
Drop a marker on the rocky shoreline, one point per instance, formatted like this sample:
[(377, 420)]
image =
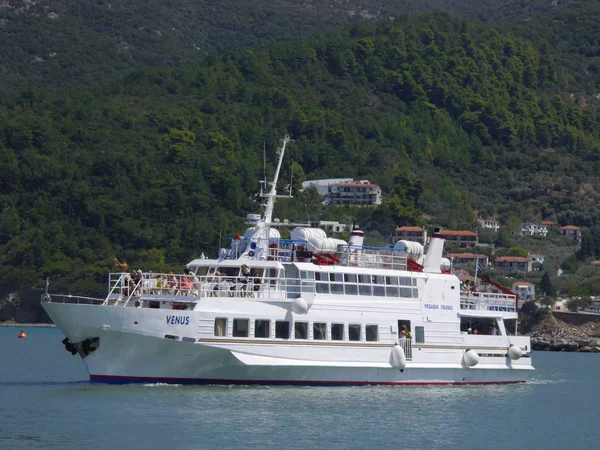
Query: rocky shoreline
[(544, 342), (556, 335)]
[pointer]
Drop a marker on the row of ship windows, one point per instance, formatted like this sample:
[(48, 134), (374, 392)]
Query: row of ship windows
[(358, 277), (282, 329), (362, 284)]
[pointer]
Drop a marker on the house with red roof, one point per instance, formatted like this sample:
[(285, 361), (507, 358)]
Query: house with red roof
[(507, 263), (571, 231), (468, 258), (462, 238), (416, 234)]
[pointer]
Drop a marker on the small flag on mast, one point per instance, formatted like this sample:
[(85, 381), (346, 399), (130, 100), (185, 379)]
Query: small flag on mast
[(480, 265)]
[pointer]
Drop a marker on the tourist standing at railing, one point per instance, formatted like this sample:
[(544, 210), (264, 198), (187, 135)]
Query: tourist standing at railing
[(186, 285), (123, 279), (405, 333), (138, 280), (196, 285), (160, 283), (121, 266), (244, 278), (172, 283)]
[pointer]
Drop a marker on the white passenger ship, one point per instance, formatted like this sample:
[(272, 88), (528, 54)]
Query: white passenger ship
[(310, 310)]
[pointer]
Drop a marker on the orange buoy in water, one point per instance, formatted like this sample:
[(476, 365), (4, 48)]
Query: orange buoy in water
[(22, 335)]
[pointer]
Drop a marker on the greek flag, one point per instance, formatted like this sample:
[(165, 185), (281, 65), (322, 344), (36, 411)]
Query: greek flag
[(480, 266)]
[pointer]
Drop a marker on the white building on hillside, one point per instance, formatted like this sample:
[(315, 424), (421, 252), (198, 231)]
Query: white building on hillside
[(489, 224), (346, 191), (533, 229), (322, 186), (524, 289)]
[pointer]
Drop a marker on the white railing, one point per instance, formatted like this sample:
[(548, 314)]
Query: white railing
[(406, 345), (487, 301), (345, 255), (189, 288), (122, 288), (74, 299)]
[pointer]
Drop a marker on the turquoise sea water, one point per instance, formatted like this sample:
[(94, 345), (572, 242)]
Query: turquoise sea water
[(46, 402)]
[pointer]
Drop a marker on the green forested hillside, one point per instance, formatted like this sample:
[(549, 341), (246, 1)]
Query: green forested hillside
[(62, 44), (446, 115)]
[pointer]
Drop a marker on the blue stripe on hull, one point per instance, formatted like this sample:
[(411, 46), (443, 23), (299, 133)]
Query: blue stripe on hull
[(115, 379)]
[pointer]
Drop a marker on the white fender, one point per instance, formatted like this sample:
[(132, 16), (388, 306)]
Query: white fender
[(397, 357), (514, 352), (299, 306), (471, 358)]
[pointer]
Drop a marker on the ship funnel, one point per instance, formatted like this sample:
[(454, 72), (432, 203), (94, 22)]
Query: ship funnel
[(356, 238), (433, 258)]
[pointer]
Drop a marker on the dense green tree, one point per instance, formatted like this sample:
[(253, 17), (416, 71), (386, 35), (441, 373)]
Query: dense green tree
[(546, 288), (163, 165)]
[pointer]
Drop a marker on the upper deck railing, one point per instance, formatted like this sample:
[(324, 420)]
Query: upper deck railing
[(285, 250), (487, 301), (187, 289)]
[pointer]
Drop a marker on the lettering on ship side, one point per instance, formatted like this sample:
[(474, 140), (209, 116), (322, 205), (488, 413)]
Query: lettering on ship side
[(178, 320), (442, 307)]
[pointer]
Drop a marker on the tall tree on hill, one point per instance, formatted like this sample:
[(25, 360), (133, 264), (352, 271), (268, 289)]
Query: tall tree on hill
[(587, 247), (546, 286)]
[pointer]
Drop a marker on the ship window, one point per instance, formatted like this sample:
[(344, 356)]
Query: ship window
[(351, 289), (405, 282), (337, 331), (220, 327), (337, 287), (371, 332), (354, 332), (240, 327), (322, 288), (229, 272), (282, 329), (350, 277), (419, 335), (301, 330), (262, 328), (364, 289), (414, 282), (391, 280), (320, 331), (335, 277), (322, 285), (154, 304), (406, 292), (202, 271), (364, 279), (379, 290), (415, 293), (272, 273), (307, 275), (392, 291)]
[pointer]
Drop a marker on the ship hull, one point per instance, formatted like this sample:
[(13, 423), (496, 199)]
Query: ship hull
[(126, 354)]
